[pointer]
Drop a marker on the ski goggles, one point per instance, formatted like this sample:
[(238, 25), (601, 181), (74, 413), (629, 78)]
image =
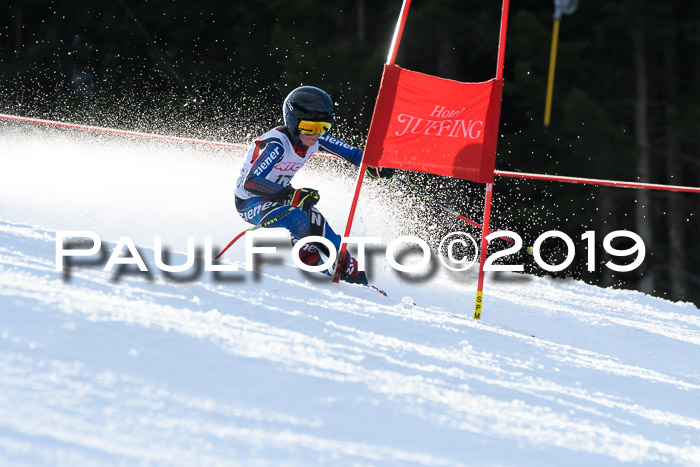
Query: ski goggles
[(314, 128)]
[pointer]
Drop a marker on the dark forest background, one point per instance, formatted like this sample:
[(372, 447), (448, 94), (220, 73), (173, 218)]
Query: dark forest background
[(626, 97)]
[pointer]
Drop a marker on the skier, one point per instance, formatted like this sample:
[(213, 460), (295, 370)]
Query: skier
[(264, 193)]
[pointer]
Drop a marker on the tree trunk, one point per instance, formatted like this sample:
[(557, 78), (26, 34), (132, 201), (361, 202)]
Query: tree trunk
[(18, 31), (643, 207), (361, 20), (676, 256), (19, 89)]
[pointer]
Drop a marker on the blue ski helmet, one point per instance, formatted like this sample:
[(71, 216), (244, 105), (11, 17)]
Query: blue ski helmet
[(306, 103)]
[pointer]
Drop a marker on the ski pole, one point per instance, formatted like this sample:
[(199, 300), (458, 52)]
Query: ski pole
[(447, 208), (255, 227)]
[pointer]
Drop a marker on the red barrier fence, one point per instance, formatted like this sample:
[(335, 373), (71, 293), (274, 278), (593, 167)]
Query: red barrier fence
[(596, 181), (121, 132), (501, 173)]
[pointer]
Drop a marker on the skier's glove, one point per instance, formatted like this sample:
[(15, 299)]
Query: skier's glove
[(303, 198), (380, 172)]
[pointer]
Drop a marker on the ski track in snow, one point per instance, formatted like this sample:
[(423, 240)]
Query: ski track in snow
[(281, 369)]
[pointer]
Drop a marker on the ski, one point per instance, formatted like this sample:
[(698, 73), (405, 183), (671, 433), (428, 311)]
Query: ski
[(377, 289), (370, 286)]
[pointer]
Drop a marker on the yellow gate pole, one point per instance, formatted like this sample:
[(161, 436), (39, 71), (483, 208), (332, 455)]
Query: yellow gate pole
[(552, 66), (561, 7)]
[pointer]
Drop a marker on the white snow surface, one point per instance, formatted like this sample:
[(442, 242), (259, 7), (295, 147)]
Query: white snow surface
[(282, 368)]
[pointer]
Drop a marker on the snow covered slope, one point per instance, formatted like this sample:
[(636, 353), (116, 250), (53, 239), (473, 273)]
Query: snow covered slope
[(279, 368)]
